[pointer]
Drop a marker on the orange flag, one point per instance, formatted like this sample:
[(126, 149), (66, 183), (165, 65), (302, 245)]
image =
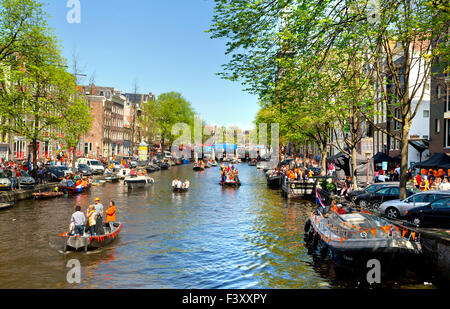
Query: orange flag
[(413, 234), (403, 233), (374, 232)]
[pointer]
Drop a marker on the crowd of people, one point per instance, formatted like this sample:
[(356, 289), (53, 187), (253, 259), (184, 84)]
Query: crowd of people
[(177, 184), (91, 222), (77, 181), (229, 174), (432, 180)]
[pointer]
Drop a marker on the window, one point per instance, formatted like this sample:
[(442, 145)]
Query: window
[(419, 198), (444, 203), (398, 116), (383, 191), (397, 144), (426, 113), (394, 191), (437, 127)]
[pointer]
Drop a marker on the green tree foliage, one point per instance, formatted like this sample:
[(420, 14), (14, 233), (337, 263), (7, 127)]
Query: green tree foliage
[(160, 116)]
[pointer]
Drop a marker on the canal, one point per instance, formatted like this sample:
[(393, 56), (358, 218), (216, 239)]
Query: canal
[(210, 237)]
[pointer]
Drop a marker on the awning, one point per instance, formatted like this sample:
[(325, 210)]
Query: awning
[(420, 145), (438, 160), (382, 157)]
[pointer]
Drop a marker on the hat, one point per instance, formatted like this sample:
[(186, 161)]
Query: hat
[(97, 199)]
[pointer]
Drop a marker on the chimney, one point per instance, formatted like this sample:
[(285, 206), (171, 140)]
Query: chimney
[(92, 89)]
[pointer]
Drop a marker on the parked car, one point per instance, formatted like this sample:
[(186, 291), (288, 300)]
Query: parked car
[(96, 166), (55, 173), (397, 208), (5, 182), (375, 199), (435, 214), (84, 169), (370, 188), (26, 181)]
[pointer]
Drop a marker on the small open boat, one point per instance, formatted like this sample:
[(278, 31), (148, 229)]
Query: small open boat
[(74, 190), (197, 167), (111, 178), (180, 190), (214, 163), (274, 180), (165, 166), (47, 195), (233, 184), (185, 161), (353, 239), (252, 163), (138, 181), (4, 206), (88, 242)]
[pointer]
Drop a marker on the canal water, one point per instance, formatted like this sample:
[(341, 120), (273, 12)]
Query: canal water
[(210, 237)]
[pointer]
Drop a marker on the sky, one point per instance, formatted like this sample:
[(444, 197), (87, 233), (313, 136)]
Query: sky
[(160, 43)]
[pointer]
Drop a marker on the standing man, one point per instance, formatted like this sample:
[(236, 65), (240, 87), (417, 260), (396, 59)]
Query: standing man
[(79, 220)]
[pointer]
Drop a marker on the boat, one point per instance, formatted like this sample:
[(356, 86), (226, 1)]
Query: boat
[(252, 163), (233, 184), (138, 181), (88, 242), (214, 163), (111, 178), (274, 180), (353, 239), (165, 166), (152, 168), (47, 195), (74, 190), (4, 206), (185, 161), (198, 167), (180, 190)]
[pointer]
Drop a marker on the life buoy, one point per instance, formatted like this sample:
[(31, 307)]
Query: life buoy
[(293, 186)]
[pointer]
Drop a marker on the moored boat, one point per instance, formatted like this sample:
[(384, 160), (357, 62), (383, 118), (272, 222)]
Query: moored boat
[(138, 181), (355, 238), (274, 180), (47, 195), (4, 206), (252, 163), (88, 242), (111, 178)]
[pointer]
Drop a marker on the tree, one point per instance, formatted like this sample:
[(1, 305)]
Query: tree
[(160, 116), (77, 121)]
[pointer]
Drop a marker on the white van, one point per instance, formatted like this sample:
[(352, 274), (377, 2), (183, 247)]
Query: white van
[(95, 165)]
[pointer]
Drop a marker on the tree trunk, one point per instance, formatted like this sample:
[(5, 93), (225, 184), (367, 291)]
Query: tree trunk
[(74, 160), (354, 167), (323, 158), (404, 161), (34, 143)]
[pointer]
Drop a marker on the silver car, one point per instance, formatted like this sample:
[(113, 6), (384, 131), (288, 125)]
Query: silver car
[(397, 208)]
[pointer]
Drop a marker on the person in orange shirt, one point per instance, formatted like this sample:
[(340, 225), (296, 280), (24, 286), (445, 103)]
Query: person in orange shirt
[(111, 213)]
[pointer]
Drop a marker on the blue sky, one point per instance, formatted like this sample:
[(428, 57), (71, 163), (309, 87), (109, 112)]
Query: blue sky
[(162, 44)]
